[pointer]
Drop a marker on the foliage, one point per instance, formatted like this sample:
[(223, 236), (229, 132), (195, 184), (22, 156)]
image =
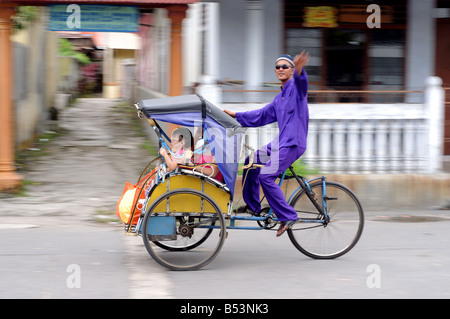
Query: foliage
[(24, 17), (66, 49), (301, 169), (89, 77)]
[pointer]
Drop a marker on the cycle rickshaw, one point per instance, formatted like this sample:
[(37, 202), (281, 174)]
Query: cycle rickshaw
[(183, 215)]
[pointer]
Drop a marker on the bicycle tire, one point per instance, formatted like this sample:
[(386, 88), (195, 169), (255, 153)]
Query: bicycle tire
[(321, 239), (177, 259)]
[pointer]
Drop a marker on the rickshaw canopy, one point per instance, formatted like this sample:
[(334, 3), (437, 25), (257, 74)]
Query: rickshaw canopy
[(223, 133)]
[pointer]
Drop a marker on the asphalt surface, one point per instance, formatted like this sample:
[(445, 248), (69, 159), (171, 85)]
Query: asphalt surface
[(61, 239), (64, 217)]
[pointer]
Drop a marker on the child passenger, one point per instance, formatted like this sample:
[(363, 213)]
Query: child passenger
[(182, 146)]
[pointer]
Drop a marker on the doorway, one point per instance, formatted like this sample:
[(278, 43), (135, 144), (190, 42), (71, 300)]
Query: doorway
[(345, 59), (443, 71)]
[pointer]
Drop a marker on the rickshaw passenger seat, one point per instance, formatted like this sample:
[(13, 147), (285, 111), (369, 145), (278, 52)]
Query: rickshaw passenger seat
[(198, 168)]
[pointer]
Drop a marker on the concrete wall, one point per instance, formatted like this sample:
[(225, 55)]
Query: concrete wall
[(34, 81), (387, 192), (421, 44), (233, 38), (119, 47), (114, 85)]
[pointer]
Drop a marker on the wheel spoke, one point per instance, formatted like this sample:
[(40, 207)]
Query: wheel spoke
[(197, 237), (329, 237)]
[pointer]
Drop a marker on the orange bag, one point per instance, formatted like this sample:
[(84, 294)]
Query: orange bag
[(129, 201)]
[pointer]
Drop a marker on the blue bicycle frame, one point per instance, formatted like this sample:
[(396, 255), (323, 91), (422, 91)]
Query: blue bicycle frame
[(304, 184)]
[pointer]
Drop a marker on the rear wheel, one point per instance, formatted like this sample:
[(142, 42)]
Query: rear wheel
[(326, 238), (190, 241), (184, 239)]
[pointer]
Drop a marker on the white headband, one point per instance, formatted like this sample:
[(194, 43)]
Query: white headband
[(287, 58)]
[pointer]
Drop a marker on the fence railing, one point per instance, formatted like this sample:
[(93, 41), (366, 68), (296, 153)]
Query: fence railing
[(367, 145), (326, 96)]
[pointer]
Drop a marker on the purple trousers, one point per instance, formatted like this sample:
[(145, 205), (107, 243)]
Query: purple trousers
[(276, 161)]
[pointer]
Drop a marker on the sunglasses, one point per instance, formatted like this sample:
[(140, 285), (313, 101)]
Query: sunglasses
[(283, 66)]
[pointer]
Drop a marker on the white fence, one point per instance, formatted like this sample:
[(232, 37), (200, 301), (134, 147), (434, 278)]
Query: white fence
[(370, 138), (380, 145)]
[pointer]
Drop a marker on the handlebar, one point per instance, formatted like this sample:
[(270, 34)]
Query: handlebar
[(140, 114)]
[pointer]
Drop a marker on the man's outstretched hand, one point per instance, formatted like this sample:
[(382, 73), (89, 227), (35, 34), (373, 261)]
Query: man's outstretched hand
[(300, 61), (230, 113)]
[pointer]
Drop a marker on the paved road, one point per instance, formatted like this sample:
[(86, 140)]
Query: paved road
[(397, 257), (54, 247), (412, 260), (72, 181)]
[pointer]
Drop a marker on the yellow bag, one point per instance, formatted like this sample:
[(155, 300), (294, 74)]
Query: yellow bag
[(126, 203), (130, 198)]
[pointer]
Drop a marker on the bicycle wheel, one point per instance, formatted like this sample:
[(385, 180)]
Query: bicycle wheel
[(321, 238), (199, 225)]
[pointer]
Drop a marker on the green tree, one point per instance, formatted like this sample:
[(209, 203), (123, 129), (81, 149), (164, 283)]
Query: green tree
[(24, 17), (66, 49)]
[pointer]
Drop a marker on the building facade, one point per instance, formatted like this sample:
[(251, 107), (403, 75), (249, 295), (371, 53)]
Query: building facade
[(372, 52)]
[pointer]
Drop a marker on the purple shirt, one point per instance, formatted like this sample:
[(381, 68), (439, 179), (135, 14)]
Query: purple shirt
[(289, 108)]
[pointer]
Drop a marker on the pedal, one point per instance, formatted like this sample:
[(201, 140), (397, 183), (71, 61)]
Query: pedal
[(131, 234), (226, 234)]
